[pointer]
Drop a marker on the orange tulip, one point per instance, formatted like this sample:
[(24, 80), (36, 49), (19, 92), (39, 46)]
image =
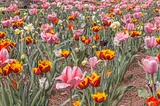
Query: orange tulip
[(106, 54), (152, 101), (158, 40), (70, 26), (84, 84), (87, 41), (28, 40), (96, 28), (56, 21), (96, 37), (99, 97), (95, 80), (45, 65), (2, 34), (16, 66), (36, 71), (65, 53), (158, 55)]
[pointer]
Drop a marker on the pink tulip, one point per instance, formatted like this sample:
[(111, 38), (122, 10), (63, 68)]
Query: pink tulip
[(43, 1), (70, 77), (3, 57), (150, 41), (78, 32), (129, 26), (68, 7), (75, 14), (150, 64), (46, 5), (46, 27), (33, 11), (52, 16), (121, 37), (149, 28), (157, 21), (15, 19), (127, 18), (34, 6), (6, 23), (54, 4), (137, 15), (50, 38), (91, 62), (11, 8), (92, 7)]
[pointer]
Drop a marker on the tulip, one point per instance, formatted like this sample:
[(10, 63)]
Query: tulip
[(77, 103), (115, 25), (121, 37), (33, 11), (84, 84), (150, 42), (46, 5), (91, 62), (149, 28), (158, 55), (70, 77), (95, 80), (152, 101), (4, 57), (129, 26), (6, 23), (52, 17), (78, 32), (65, 53), (150, 64), (99, 97), (50, 38)]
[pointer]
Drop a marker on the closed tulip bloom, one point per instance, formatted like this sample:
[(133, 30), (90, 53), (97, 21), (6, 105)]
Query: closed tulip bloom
[(70, 77), (33, 11), (150, 42), (52, 17), (4, 57), (150, 64), (99, 97), (152, 101), (149, 28)]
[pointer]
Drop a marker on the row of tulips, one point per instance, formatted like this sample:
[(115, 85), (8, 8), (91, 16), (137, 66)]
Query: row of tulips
[(86, 46)]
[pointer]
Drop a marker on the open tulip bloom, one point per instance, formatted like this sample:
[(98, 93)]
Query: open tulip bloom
[(70, 77)]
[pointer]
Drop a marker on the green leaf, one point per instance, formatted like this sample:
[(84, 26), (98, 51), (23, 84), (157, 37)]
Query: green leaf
[(5, 97), (120, 92), (35, 99), (142, 93)]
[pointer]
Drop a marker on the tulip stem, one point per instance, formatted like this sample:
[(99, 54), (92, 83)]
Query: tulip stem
[(70, 97), (153, 88)]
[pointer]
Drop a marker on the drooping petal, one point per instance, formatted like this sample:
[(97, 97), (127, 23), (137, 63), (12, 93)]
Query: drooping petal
[(62, 85)]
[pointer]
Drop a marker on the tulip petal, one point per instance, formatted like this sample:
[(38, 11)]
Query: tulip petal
[(62, 85)]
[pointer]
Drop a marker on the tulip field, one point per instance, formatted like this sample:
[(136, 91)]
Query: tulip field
[(82, 49)]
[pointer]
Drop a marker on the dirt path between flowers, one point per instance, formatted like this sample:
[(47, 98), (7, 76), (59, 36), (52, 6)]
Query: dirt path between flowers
[(135, 76)]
